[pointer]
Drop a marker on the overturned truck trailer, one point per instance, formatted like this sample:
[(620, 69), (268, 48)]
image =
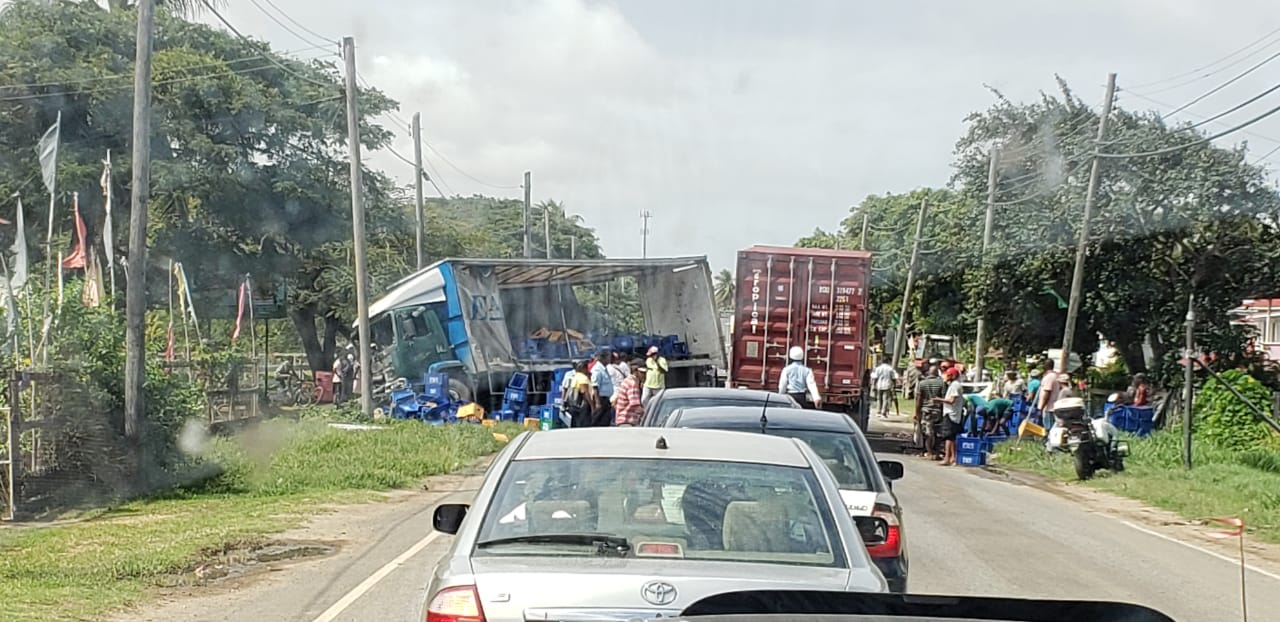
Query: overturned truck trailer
[(482, 320)]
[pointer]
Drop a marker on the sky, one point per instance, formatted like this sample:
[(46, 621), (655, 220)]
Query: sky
[(746, 121)]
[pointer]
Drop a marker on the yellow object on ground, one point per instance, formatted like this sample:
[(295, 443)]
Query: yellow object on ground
[(501, 438), (1030, 429), (471, 411), (532, 423), (489, 423)]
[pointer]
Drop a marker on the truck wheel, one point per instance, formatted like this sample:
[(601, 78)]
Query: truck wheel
[(460, 391)]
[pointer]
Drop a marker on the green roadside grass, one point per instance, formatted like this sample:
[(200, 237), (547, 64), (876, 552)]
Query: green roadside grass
[(271, 479), (1223, 482)]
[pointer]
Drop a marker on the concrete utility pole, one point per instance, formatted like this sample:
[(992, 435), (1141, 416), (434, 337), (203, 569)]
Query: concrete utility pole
[(546, 227), (980, 345), (357, 229), (900, 339), (135, 374), (528, 241), (862, 241), (644, 233), (573, 247), (1188, 393), (417, 189), (1082, 245)]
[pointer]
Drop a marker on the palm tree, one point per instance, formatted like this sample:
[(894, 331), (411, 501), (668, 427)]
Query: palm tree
[(185, 8), (725, 289)]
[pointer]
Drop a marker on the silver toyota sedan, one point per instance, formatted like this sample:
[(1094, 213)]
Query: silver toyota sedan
[(626, 524)]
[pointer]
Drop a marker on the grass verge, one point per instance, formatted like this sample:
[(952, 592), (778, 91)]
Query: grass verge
[(1223, 483), (271, 478)]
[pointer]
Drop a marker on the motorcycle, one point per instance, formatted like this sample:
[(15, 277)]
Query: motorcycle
[(1093, 442)]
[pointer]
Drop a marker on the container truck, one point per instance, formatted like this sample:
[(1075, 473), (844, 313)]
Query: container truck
[(808, 297), (483, 320)]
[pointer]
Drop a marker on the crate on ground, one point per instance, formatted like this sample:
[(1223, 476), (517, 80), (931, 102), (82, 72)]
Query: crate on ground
[(970, 444), (971, 459), (1137, 420)]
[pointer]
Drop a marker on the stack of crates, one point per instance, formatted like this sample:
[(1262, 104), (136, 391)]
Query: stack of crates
[(1137, 420), (515, 400), (972, 450)]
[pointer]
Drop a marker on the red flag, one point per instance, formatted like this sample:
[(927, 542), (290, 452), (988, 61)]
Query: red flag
[(1237, 525), (239, 312), (77, 257), (168, 351)]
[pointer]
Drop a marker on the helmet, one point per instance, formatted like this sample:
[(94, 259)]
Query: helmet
[(797, 353)]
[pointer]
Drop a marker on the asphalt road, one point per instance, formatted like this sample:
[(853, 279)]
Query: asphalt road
[(968, 534)]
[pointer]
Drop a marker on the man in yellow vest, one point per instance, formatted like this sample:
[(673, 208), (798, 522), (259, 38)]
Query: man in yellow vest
[(655, 376)]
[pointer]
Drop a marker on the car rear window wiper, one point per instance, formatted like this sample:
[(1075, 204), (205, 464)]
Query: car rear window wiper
[(604, 544)]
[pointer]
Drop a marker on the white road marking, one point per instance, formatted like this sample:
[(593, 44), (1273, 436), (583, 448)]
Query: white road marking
[(337, 608), (1233, 560)]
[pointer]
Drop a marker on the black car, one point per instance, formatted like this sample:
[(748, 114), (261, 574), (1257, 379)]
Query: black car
[(864, 483), (671, 400)]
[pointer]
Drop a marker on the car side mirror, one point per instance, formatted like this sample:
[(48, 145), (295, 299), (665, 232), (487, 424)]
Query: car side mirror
[(872, 529), (448, 517), (891, 469)]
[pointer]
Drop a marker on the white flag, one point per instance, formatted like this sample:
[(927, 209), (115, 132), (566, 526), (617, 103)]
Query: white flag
[(107, 232), (20, 270), (48, 151)]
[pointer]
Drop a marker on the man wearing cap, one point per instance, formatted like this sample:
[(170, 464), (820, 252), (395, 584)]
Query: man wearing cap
[(953, 414), (798, 382), (928, 411), (655, 376)]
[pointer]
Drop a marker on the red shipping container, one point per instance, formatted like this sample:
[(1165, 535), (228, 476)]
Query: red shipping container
[(809, 297)]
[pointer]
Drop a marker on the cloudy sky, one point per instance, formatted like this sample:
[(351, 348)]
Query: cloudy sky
[(749, 121)]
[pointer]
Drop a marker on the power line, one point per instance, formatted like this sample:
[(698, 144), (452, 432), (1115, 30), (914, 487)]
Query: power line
[(267, 52), (1210, 65), (1267, 154), (130, 86), (1199, 116), (466, 174), (301, 25), (1223, 85), (285, 26), (1193, 143)]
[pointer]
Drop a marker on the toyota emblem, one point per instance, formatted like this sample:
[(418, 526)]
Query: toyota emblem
[(658, 593)]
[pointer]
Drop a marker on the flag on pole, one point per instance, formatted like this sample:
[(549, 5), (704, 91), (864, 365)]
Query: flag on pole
[(47, 148), (185, 304), (168, 350), (10, 313), (93, 294), (108, 236), (78, 257), (20, 265), (244, 286)]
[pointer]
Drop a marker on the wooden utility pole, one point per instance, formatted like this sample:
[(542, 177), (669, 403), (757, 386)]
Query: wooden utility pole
[(528, 241), (135, 369), (357, 228), (1082, 244), (644, 232), (1188, 391), (980, 344), (420, 232), (862, 241), (900, 339)]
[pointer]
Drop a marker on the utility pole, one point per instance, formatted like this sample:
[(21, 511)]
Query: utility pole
[(862, 241), (1082, 245), (528, 242), (417, 188), (546, 227), (900, 339), (135, 407), (980, 345), (1188, 393), (357, 229), (644, 233), (573, 247)]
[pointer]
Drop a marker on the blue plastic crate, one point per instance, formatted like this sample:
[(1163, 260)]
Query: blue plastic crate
[(515, 396), (971, 459), (970, 444)]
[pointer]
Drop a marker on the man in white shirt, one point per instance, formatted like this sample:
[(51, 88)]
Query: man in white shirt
[(883, 378), (798, 382)]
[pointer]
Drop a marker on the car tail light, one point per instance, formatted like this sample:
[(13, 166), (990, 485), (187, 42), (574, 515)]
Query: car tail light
[(455, 604), (892, 545)]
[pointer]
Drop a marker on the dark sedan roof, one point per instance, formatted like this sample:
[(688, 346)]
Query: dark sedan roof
[(724, 392), (749, 417)]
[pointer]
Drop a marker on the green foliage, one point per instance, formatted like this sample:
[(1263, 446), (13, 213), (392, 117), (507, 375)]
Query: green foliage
[(1111, 376), (725, 290), (1224, 420)]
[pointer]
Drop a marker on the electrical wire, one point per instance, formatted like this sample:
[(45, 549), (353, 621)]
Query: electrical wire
[(285, 26), (1193, 143), (466, 174), (1267, 154), (1199, 116), (267, 52), (1224, 85), (1210, 65), (130, 86), (301, 25)]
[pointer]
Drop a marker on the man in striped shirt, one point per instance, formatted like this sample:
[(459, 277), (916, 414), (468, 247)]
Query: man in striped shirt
[(627, 405)]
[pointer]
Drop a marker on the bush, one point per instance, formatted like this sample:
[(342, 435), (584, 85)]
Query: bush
[(1226, 421)]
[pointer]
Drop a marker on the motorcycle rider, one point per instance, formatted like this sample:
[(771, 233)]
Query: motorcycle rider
[(797, 380)]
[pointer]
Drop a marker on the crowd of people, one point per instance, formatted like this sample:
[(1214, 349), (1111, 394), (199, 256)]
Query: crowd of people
[(608, 390)]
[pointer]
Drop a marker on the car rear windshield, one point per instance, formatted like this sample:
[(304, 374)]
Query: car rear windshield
[(670, 405), (848, 462), (682, 509)]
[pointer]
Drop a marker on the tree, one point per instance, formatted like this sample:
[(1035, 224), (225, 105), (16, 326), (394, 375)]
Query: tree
[(725, 290)]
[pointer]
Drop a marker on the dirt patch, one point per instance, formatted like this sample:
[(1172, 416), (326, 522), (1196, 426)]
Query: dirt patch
[(248, 561), (1258, 554)]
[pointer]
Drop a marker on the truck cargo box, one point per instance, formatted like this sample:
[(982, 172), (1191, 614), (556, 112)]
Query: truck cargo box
[(814, 298)]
